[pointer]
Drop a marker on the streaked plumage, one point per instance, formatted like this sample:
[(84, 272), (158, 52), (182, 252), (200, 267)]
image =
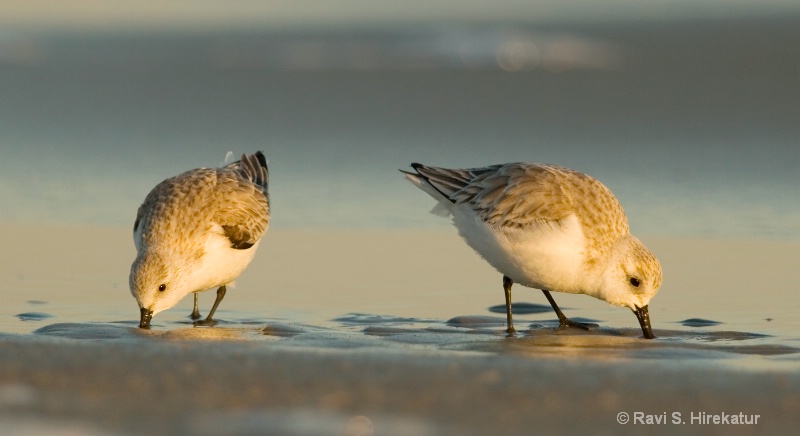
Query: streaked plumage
[(196, 231), (547, 227)]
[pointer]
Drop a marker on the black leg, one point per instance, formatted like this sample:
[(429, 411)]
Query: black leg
[(208, 321), (507, 282), (196, 312), (563, 321)]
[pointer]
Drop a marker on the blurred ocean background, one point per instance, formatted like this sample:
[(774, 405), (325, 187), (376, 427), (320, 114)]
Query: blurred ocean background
[(688, 111)]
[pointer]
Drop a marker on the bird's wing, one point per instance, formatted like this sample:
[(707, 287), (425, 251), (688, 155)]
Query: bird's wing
[(510, 195), (243, 200)]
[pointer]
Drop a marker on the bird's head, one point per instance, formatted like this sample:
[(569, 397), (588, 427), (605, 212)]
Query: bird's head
[(158, 281), (633, 276)]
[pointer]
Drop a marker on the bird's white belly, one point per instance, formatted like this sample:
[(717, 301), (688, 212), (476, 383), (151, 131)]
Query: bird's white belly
[(546, 256), (221, 264)]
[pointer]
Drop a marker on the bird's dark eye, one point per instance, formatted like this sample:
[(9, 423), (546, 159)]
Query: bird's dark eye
[(635, 282), (162, 287)]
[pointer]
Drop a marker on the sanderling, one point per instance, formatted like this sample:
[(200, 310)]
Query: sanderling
[(549, 228), (196, 231)]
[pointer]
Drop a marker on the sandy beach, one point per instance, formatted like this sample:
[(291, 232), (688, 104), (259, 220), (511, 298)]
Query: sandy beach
[(114, 386), (408, 346)]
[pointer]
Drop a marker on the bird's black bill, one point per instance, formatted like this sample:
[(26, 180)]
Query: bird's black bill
[(145, 317), (643, 315)]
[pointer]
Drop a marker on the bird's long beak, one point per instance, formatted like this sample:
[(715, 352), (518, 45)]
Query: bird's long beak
[(146, 315), (643, 315)]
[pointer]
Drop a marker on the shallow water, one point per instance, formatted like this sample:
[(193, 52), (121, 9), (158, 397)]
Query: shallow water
[(472, 334), (443, 298)]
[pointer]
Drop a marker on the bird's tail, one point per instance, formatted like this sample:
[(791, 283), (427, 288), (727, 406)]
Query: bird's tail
[(254, 167), (444, 203)]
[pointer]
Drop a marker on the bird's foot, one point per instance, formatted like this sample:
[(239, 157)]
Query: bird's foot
[(566, 323), (511, 332), (208, 322)]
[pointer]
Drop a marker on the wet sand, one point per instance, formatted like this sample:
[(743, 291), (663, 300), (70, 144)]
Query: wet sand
[(253, 387), (390, 332)]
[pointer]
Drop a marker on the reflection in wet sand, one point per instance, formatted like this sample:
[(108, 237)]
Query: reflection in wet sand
[(464, 333)]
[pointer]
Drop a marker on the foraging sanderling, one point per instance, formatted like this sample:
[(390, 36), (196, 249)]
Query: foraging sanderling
[(196, 231), (550, 228)]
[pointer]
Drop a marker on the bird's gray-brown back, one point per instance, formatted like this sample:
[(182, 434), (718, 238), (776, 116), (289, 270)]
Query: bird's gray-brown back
[(519, 195), (234, 197)]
